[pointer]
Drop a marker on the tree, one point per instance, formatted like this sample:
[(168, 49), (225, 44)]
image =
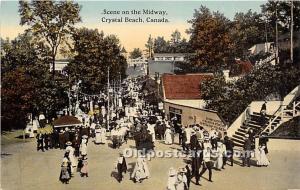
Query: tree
[(248, 29), (283, 16), (26, 82), (231, 99), (149, 46), (210, 39), (50, 21), (136, 53), (160, 45), (176, 37), (94, 54)]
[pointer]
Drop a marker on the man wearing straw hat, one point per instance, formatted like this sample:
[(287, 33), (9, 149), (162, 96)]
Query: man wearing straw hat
[(182, 179)]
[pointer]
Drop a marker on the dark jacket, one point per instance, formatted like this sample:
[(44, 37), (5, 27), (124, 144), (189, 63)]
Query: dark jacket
[(247, 144)]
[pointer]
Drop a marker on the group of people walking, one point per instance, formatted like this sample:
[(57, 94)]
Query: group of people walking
[(72, 163), (146, 125)]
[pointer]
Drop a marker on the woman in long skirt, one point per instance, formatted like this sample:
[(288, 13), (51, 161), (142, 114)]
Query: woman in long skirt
[(83, 146), (172, 179), (262, 159), (220, 153), (71, 156), (141, 170), (84, 169), (103, 135), (168, 136), (65, 176), (98, 135)]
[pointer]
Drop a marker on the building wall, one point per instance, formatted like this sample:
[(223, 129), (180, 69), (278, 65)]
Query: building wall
[(283, 144), (207, 119)]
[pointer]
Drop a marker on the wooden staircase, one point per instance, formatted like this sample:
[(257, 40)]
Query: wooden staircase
[(272, 122), (255, 123), (288, 109), (284, 114)]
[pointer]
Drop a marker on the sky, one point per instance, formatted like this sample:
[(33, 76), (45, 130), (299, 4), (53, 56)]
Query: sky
[(132, 35)]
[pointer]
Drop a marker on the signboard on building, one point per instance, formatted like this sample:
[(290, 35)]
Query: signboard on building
[(213, 123)]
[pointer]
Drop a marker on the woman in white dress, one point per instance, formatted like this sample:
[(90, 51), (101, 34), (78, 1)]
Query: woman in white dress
[(102, 135), (72, 158), (262, 159), (220, 153), (83, 146), (98, 135), (151, 128), (141, 170), (172, 179), (168, 136)]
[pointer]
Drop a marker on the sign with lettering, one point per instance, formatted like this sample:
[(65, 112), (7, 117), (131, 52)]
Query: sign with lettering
[(175, 110), (213, 123)]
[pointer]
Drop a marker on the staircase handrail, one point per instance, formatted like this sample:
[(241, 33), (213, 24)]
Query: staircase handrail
[(286, 101)]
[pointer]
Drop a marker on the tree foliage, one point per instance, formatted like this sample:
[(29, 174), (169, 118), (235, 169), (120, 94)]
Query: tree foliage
[(50, 21), (149, 46), (26, 82), (247, 29), (175, 45), (231, 99), (283, 16), (210, 39), (136, 53), (94, 54)]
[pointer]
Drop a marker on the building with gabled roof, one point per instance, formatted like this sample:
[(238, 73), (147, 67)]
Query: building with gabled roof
[(182, 100)]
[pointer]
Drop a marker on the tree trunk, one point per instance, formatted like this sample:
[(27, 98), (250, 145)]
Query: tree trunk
[(53, 66)]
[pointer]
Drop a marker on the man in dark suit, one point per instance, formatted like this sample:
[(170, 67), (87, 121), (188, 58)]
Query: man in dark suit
[(247, 151), (197, 158), (121, 167), (229, 144)]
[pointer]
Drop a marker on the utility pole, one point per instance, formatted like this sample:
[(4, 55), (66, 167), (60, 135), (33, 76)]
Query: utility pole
[(107, 118), (292, 30), (276, 27), (69, 95)]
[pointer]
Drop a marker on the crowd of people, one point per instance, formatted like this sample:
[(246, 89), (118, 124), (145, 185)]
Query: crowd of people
[(131, 117)]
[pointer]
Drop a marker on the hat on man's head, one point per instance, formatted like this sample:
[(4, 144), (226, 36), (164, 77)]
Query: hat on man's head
[(84, 136), (182, 170), (172, 172)]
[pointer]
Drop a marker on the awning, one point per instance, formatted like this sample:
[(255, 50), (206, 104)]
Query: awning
[(66, 120)]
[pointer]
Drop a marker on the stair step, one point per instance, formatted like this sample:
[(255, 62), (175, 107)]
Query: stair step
[(238, 144), (240, 133), (242, 130), (258, 114), (237, 140), (254, 125), (241, 137)]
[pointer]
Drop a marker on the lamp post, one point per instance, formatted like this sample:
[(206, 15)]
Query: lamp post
[(107, 115), (292, 30)]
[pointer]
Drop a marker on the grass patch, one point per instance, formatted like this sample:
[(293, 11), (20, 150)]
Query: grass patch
[(290, 128), (14, 136)]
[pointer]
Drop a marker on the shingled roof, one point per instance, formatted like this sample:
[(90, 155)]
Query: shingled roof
[(241, 68), (66, 120), (183, 86)]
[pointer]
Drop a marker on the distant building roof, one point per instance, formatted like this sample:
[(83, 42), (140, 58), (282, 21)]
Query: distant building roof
[(241, 68), (263, 47), (169, 54), (183, 86)]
